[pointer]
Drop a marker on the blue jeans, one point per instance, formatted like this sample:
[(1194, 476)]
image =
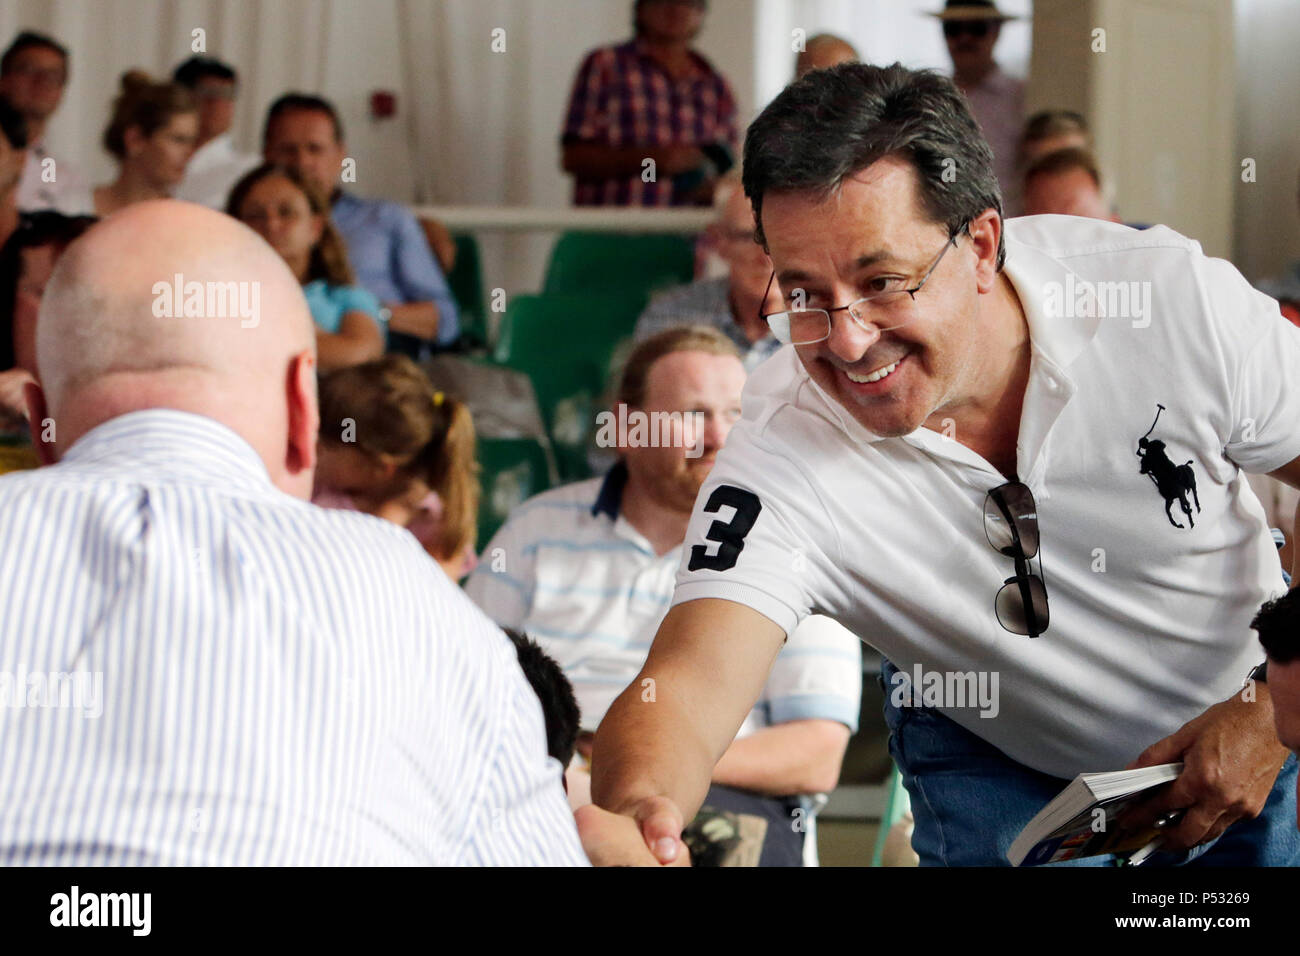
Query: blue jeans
[(970, 800)]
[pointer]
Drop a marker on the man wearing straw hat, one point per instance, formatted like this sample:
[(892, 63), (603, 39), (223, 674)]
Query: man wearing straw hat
[(971, 29)]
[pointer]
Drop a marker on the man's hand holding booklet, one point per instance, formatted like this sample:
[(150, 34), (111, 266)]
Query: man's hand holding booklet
[(1081, 820)]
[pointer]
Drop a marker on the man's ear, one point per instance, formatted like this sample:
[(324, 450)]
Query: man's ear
[(304, 415), (985, 234), (38, 417)]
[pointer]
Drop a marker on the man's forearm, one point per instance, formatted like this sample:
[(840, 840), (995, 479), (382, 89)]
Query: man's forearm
[(802, 756), (647, 746), (414, 318)]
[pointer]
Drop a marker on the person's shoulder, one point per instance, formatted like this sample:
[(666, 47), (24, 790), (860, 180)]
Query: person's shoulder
[(1067, 237), (562, 506), (711, 71)]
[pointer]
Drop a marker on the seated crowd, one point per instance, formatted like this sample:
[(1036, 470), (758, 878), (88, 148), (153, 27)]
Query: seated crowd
[(303, 497)]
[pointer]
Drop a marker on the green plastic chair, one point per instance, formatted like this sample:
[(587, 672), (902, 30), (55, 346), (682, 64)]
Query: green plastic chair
[(897, 803), (466, 283), (598, 261), (565, 344), (511, 470)]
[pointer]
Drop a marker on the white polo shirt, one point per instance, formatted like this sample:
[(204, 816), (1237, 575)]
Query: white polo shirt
[(574, 574), (1149, 622)]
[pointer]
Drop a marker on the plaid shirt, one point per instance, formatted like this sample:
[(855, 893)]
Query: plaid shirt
[(623, 97)]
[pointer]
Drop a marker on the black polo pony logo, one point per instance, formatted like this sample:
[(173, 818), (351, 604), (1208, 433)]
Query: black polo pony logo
[(1172, 481)]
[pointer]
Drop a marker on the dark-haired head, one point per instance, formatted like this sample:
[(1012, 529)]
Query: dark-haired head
[(559, 706), (31, 40), (834, 123), (1278, 626), (301, 102), (197, 68)]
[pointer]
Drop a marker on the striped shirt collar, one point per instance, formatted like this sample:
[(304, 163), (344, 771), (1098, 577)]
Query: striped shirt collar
[(166, 442)]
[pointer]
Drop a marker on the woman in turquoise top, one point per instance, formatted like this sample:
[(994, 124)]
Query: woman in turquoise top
[(293, 216)]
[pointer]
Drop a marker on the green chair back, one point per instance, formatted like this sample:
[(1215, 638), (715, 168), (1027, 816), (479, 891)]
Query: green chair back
[(595, 261), (511, 470), (565, 344), (466, 283)]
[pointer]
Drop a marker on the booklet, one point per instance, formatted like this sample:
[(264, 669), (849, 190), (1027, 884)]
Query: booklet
[(1080, 819)]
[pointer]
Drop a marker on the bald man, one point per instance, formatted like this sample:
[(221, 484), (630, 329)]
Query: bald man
[(823, 51), (199, 667)]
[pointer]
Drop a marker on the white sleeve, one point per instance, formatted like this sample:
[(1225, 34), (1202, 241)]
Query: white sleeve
[(1262, 356), (521, 815), (817, 675), (759, 534)]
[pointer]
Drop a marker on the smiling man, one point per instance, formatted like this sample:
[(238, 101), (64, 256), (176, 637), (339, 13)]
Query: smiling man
[(940, 432)]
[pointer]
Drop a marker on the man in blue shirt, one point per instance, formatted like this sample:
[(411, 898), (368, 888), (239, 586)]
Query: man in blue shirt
[(386, 246)]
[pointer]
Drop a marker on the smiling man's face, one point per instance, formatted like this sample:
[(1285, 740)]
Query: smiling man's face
[(872, 235)]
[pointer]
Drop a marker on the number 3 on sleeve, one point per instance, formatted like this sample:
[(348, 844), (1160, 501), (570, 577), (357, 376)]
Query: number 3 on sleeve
[(730, 535)]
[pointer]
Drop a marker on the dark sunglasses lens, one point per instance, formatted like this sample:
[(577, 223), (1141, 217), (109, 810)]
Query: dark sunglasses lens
[(1017, 616), (977, 28), (1018, 502)]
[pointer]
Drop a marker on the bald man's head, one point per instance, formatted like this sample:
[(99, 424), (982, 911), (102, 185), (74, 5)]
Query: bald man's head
[(822, 52), (171, 305)]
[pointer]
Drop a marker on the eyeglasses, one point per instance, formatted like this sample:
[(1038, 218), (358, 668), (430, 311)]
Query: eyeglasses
[(974, 28), (891, 308), (1011, 525)]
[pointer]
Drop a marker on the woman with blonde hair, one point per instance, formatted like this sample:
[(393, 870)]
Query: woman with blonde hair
[(394, 446), (152, 133), (293, 216)]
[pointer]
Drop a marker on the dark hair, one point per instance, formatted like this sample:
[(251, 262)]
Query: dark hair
[(198, 68), (329, 257), (35, 229), (146, 105), (554, 692), (636, 13), (307, 102), (832, 123), (1278, 624), (13, 125), (30, 40), (1063, 161)]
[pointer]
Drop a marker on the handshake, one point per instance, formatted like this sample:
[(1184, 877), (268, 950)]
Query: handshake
[(648, 836)]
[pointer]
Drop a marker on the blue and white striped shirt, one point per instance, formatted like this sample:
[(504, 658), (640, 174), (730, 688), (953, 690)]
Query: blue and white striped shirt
[(277, 683)]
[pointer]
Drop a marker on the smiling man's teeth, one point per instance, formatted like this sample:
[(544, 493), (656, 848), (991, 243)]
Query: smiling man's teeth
[(875, 376)]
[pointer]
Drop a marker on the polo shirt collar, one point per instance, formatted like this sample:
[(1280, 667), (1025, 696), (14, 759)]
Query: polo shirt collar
[(609, 500)]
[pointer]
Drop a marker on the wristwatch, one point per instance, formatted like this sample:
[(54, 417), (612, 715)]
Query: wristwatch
[(1259, 673)]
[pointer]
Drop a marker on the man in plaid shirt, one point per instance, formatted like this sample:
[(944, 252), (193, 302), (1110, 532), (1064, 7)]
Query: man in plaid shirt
[(650, 122)]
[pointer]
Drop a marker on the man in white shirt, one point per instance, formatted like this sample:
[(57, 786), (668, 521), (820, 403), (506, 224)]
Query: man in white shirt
[(199, 667), (1023, 485), (215, 165), (33, 75), (587, 571)]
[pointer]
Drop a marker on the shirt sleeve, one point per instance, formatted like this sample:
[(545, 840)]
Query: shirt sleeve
[(521, 815), (1262, 353), (817, 675), (585, 118), (502, 582), (759, 534), (353, 298), (418, 276)]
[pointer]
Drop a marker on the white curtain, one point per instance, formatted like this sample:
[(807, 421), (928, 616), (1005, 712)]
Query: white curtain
[(473, 126)]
